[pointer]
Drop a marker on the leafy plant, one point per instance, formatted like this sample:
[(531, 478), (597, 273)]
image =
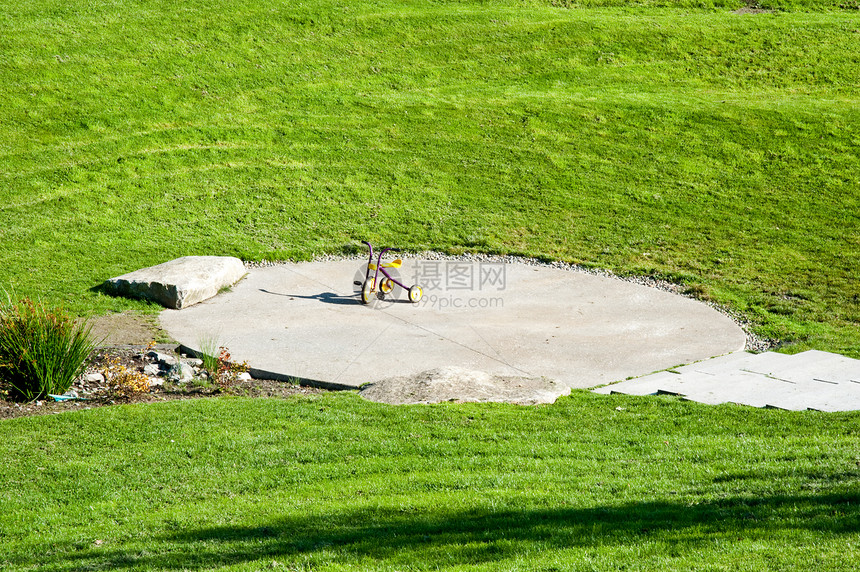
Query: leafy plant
[(216, 362), (226, 372), (42, 350), (122, 382)]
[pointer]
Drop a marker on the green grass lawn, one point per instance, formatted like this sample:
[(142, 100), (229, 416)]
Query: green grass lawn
[(333, 482), (678, 139), (712, 148)]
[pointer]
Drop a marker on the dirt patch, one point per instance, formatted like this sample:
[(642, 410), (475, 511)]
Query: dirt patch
[(462, 386), (126, 329)]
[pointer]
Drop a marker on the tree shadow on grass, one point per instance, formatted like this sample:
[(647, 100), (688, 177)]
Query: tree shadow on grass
[(467, 538)]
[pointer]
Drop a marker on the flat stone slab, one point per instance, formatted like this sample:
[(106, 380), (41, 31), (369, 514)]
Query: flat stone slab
[(510, 320), (181, 282), (810, 380)]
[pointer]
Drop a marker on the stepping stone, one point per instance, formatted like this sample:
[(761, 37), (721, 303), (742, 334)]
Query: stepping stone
[(756, 363), (646, 385), (676, 380), (816, 365), (180, 283), (821, 381), (823, 397), (766, 363), (742, 387)]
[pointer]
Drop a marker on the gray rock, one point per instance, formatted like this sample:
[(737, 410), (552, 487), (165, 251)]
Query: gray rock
[(180, 283), (151, 369), (244, 376), (181, 373), (166, 360), (94, 378), (462, 385)]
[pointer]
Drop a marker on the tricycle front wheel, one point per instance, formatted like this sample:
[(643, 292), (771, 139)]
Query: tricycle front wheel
[(367, 290), (415, 294)]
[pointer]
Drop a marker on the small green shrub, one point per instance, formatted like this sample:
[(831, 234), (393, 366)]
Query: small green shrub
[(42, 350)]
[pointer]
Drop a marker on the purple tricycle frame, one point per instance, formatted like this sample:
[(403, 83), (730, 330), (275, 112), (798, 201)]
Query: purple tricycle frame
[(382, 287)]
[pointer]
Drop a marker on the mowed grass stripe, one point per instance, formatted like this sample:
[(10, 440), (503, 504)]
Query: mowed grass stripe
[(335, 482)]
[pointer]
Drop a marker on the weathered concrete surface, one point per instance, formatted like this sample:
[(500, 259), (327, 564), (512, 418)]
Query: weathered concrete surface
[(463, 386), (180, 283), (582, 330)]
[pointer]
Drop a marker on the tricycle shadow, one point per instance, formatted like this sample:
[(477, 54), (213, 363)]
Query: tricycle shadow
[(325, 297)]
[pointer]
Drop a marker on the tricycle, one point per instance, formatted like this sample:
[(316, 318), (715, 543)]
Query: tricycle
[(383, 285)]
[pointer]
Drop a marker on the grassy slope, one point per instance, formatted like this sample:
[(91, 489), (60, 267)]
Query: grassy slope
[(723, 146), (337, 483), (710, 147)]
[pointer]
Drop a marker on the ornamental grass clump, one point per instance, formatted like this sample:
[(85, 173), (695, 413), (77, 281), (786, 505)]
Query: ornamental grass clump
[(42, 350)]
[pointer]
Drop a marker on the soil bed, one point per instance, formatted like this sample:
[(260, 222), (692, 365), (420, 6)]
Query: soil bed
[(134, 360)]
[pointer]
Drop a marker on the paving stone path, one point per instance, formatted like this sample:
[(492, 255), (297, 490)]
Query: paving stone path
[(810, 380)]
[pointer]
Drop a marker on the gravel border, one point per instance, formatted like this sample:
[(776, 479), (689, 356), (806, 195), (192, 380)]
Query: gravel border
[(754, 343)]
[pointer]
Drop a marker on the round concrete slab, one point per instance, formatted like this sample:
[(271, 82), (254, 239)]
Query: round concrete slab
[(306, 321)]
